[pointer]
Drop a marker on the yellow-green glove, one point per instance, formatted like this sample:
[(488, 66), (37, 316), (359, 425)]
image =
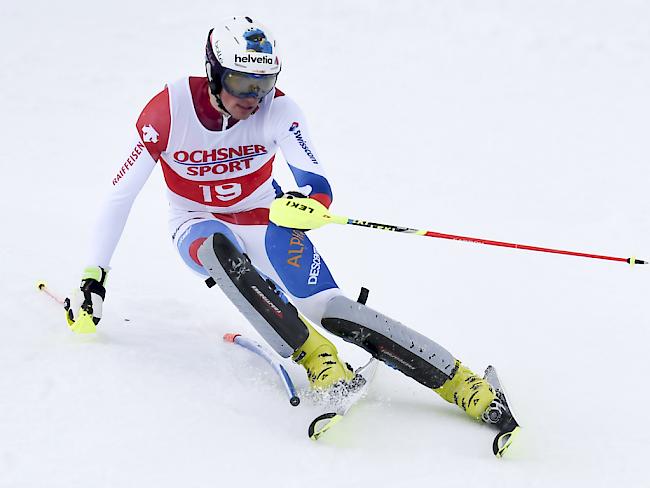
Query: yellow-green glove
[(84, 310), (300, 212)]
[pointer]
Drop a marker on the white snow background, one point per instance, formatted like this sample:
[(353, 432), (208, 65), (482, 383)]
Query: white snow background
[(514, 120)]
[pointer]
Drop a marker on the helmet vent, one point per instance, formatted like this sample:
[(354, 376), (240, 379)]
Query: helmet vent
[(249, 19)]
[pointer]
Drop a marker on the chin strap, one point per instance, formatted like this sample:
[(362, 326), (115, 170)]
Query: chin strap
[(214, 89), (221, 106), (225, 117)]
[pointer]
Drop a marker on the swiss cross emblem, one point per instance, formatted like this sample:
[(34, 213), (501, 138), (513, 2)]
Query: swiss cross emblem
[(149, 134)]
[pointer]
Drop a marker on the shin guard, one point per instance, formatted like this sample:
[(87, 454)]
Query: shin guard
[(275, 319), (390, 341)]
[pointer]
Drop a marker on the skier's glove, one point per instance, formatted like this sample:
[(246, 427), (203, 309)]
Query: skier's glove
[(293, 194), (84, 310), (296, 211)]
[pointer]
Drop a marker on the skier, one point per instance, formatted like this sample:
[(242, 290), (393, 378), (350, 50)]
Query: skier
[(215, 138)]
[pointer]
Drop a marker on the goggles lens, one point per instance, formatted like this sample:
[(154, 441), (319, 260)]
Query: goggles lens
[(247, 85)]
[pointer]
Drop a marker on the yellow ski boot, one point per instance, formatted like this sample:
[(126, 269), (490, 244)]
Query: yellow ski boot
[(320, 358), (470, 392)]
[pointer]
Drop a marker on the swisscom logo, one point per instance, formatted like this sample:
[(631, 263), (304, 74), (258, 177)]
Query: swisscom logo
[(301, 142)]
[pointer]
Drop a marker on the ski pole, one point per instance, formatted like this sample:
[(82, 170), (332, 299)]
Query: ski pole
[(275, 364), (427, 233), (42, 286), (307, 213)]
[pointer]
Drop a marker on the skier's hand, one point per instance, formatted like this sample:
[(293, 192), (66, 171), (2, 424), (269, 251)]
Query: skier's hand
[(293, 194), (297, 211), (84, 310)]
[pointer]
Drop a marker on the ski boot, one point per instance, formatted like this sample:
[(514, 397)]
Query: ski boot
[(470, 392), (325, 370), (484, 399)]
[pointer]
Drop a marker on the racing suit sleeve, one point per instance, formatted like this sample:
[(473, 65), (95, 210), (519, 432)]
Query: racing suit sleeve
[(292, 135), (116, 207), (148, 142)]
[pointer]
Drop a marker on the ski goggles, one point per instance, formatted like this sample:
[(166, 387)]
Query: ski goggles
[(247, 85)]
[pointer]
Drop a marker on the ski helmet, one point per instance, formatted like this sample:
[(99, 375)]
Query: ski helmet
[(241, 56)]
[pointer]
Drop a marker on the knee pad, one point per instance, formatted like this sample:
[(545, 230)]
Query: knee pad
[(194, 235)]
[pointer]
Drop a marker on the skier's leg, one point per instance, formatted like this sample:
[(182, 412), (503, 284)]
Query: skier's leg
[(215, 248), (305, 276), (290, 260), (211, 248), (410, 352)]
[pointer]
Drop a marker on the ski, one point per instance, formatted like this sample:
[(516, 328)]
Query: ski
[(499, 415), (359, 386)]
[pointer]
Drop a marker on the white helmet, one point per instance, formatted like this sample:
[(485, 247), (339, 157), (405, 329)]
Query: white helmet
[(241, 56)]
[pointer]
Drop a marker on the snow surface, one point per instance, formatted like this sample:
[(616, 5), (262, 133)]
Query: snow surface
[(513, 120)]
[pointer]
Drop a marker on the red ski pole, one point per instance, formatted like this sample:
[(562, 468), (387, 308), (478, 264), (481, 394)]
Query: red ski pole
[(476, 240), (307, 213)]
